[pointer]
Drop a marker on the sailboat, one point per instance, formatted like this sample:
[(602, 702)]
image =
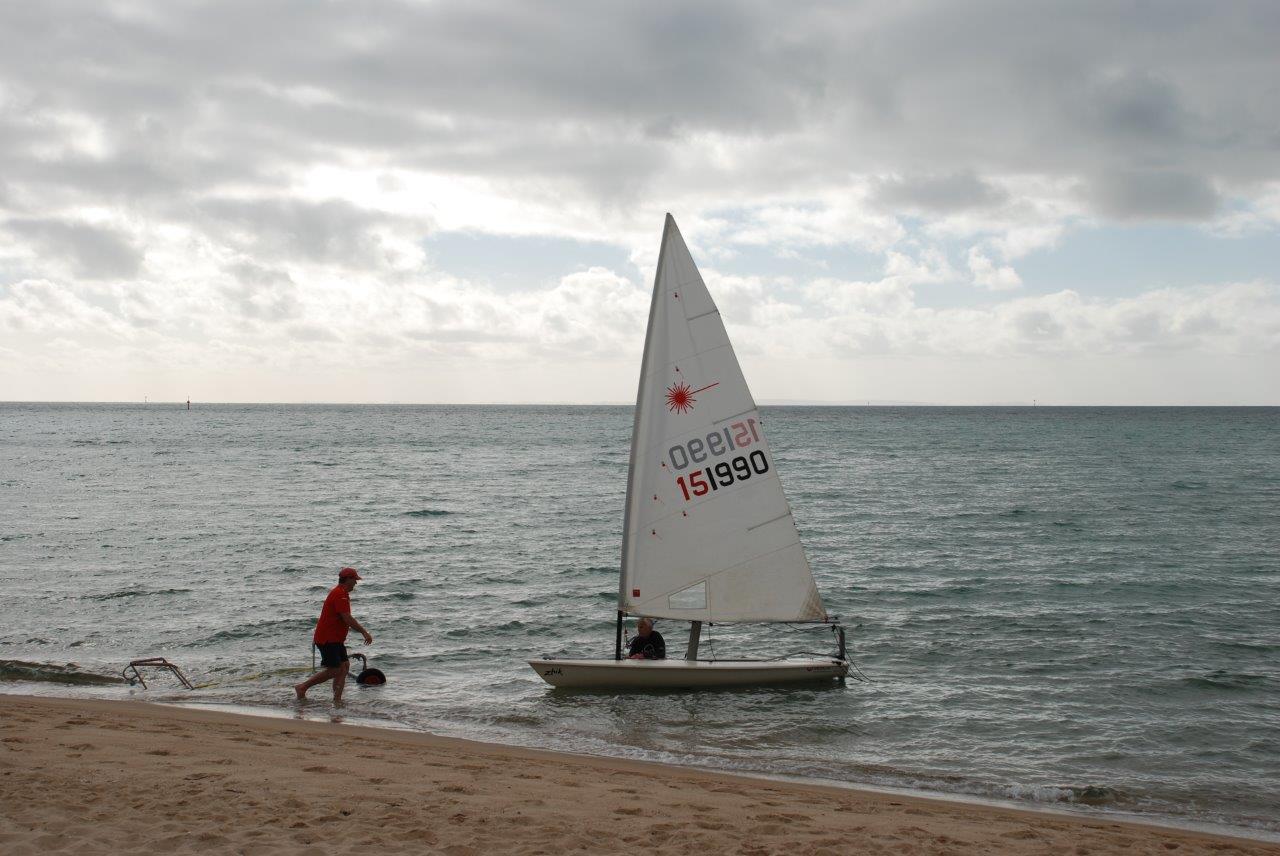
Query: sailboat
[(708, 535)]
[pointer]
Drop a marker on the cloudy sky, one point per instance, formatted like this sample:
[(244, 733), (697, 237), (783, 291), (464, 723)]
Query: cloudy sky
[(971, 203)]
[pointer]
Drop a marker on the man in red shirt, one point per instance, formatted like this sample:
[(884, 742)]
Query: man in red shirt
[(331, 636)]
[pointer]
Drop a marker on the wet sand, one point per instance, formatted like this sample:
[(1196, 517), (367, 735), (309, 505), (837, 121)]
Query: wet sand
[(128, 777)]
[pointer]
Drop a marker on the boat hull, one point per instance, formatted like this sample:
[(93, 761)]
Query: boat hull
[(685, 674)]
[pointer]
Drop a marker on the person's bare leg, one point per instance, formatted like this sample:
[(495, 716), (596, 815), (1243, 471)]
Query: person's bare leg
[(340, 681), (318, 678)]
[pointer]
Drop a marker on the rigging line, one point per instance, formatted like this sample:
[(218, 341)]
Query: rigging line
[(791, 654), (734, 416), (796, 626), (800, 627)]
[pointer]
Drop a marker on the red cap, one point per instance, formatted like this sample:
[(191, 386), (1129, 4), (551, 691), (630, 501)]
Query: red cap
[(349, 573)]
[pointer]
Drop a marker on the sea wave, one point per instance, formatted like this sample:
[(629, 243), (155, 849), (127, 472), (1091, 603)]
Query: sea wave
[(69, 673), (1091, 795), (116, 595), (428, 512), (1224, 680), (256, 631), (464, 632)]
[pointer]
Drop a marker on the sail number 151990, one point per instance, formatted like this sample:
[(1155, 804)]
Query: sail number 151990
[(723, 474), (736, 436), (701, 481)]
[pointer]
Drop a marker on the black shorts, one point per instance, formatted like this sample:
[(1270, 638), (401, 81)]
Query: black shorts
[(332, 654)]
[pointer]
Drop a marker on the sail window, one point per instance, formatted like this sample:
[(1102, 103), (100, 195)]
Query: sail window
[(694, 597)]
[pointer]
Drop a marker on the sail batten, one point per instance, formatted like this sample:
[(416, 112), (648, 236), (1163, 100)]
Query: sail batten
[(708, 531), (774, 520)]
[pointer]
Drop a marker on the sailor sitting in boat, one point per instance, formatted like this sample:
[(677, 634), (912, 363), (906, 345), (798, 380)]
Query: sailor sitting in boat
[(648, 644)]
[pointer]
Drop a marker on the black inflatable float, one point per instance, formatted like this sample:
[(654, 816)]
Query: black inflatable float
[(368, 677)]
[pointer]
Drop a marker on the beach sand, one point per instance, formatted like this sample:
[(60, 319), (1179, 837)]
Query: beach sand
[(118, 777)]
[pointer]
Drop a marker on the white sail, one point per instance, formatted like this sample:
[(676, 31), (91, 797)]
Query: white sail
[(708, 534)]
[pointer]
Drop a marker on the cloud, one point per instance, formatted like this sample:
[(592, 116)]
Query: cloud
[(987, 274), (959, 191), (57, 310), (883, 318), (259, 293), (88, 251), (253, 183), (928, 266), (934, 101), (836, 221), (1154, 195), (330, 231), (1132, 104)]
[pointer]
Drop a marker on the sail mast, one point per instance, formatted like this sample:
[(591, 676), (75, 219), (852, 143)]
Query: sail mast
[(655, 305)]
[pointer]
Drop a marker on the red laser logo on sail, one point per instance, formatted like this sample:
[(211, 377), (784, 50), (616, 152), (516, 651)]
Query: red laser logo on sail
[(680, 399)]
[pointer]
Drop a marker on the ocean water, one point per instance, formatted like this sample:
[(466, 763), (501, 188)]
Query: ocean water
[(1064, 606)]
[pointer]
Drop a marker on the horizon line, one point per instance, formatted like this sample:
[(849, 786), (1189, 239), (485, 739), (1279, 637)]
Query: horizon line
[(765, 403)]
